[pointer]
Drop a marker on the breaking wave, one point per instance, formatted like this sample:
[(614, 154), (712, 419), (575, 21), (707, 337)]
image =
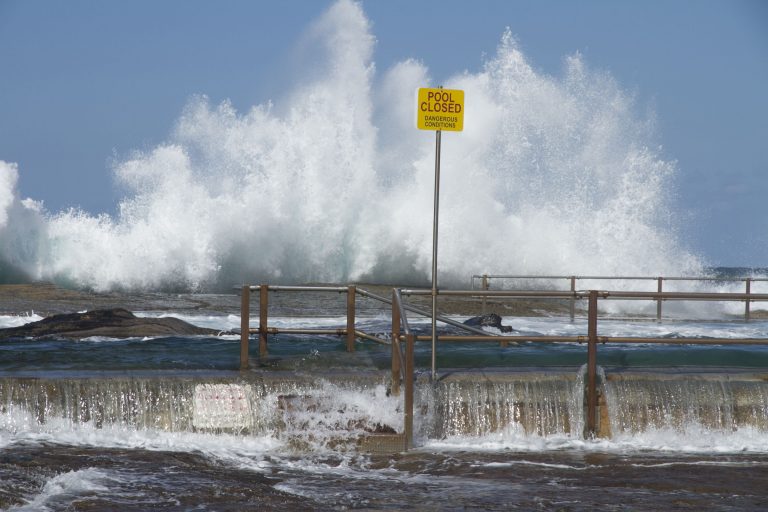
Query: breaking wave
[(334, 183)]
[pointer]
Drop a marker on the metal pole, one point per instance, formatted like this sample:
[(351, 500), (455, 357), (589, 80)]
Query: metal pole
[(746, 306), (573, 298), (395, 345), (350, 319), (658, 301), (409, 383), (245, 327), (485, 289), (434, 255), (263, 319), (592, 365)]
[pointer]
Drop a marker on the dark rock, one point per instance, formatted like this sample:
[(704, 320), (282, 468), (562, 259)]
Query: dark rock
[(112, 323), (488, 320), (378, 428)]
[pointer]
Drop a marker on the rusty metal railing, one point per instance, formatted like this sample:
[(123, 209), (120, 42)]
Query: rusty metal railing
[(402, 358), (351, 333), (403, 366), (592, 338), (485, 280)]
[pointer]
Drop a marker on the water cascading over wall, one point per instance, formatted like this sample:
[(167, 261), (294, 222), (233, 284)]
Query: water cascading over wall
[(308, 412), (326, 412), (478, 405), (686, 403)]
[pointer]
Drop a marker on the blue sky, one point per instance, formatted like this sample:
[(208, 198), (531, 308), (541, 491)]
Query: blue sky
[(83, 83)]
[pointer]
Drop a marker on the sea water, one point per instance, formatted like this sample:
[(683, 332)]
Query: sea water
[(167, 422)]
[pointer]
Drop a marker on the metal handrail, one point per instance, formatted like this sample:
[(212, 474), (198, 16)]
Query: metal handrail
[(660, 285), (616, 278), (581, 294), (398, 302), (403, 364), (286, 288), (592, 339), (424, 313), (399, 368), (351, 332)]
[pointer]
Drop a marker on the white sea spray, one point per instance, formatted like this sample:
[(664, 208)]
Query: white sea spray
[(552, 174)]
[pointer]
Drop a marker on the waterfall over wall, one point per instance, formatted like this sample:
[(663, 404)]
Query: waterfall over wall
[(332, 411), (686, 403), (523, 404)]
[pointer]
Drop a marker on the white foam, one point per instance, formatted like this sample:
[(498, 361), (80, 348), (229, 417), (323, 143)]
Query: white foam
[(558, 326), (66, 486), (694, 439), (22, 427), (7, 321), (552, 174), (317, 416)]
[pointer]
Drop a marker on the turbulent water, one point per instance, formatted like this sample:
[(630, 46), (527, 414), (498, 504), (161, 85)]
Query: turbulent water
[(332, 182), (167, 423)]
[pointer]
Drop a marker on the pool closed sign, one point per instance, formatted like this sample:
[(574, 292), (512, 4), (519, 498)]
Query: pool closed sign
[(440, 109)]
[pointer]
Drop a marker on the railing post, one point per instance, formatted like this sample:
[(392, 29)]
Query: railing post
[(245, 325), (573, 298), (395, 345), (409, 383), (746, 306), (485, 289), (263, 319), (592, 365), (351, 293), (658, 301)]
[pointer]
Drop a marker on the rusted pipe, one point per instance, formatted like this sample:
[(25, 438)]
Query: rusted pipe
[(245, 312), (263, 319), (351, 318), (287, 330), (592, 366), (686, 341), (746, 303), (600, 339), (409, 384), (284, 288), (660, 289), (365, 336), (452, 338), (396, 355)]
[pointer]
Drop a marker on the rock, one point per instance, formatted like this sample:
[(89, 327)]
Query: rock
[(488, 320), (112, 323)]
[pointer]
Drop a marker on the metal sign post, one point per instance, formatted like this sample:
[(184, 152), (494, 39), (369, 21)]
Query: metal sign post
[(438, 109), (434, 254)]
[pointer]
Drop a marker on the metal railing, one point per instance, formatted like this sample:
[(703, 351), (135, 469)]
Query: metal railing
[(351, 333), (403, 339), (591, 339), (485, 280), (264, 330)]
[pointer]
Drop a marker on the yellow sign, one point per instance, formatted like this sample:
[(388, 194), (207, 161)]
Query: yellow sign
[(440, 109)]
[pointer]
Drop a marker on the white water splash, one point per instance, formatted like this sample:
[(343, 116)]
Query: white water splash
[(65, 486), (334, 183)]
